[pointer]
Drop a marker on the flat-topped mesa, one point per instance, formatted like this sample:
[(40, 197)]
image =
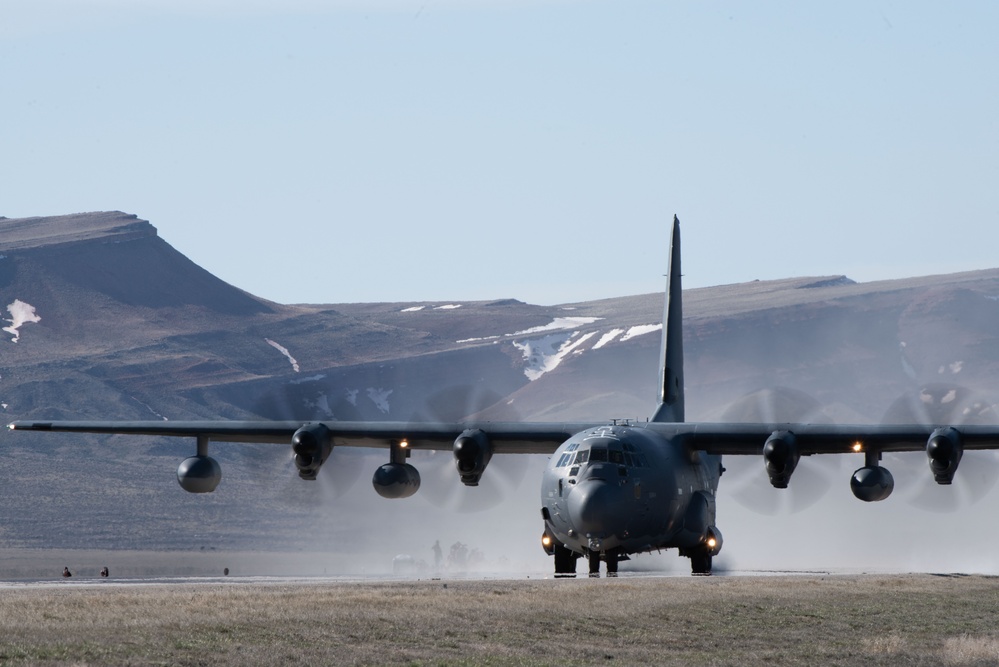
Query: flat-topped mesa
[(110, 226), (48, 261)]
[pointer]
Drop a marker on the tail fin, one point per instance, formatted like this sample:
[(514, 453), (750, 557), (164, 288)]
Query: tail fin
[(671, 357)]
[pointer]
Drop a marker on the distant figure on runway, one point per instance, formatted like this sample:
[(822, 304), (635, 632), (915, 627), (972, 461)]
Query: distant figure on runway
[(66, 572), (438, 555), (104, 572)]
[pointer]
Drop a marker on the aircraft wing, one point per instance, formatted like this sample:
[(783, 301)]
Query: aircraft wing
[(506, 437), (543, 438), (749, 439)]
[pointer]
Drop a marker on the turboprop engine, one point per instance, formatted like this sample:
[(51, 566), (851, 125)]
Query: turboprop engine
[(312, 445), (472, 452), (780, 455), (944, 450)]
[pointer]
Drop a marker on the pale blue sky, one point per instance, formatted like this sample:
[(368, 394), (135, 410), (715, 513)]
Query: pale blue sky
[(399, 151)]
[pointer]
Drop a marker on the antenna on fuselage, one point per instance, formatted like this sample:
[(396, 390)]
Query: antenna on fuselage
[(671, 355)]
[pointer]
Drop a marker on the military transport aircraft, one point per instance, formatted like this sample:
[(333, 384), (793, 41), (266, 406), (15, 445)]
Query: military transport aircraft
[(610, 489)]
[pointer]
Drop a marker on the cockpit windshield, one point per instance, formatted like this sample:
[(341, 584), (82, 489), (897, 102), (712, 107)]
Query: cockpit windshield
[(623, 454)]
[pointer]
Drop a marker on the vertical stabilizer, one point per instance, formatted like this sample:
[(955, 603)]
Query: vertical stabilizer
[(671, 356)]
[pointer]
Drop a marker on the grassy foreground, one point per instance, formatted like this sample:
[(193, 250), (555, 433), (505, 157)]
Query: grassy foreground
[(797, 620)]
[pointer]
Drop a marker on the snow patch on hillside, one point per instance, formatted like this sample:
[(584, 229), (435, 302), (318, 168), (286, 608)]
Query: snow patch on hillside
[(545, 354), (557, 324), (446, 306), (607, 338), (641, 330), (476, 340), (148, 407), (283, 350), (21, 313), (379, 397), (322, 404)]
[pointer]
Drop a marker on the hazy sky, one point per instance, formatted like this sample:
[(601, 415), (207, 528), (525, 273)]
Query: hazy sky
[(397, 151)]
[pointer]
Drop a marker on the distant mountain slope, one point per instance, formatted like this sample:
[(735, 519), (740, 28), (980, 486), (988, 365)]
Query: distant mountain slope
[(111, 322)]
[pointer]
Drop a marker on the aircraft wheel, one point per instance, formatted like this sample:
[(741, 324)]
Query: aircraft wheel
[(565, 561), (612, 561), (700, 564), (594, 563)]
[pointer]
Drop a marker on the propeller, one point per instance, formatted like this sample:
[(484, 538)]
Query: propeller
[(440, 482), (745, 476), (943, 404), (303, 400)]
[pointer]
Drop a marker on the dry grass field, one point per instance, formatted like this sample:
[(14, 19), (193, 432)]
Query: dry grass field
[(793, 620)]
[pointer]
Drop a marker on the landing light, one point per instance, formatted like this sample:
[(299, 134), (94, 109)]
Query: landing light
[(858, 446), (712, 543), (546, 540), (404, 444)]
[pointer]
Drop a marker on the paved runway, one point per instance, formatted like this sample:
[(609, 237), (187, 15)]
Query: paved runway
[(76, 581)]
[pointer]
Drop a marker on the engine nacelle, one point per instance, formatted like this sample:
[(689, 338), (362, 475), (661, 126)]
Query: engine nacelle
[(944, 451), (396, 480), (312, 445), (199, 474), (872, 483), (472, 452), (780, 456)]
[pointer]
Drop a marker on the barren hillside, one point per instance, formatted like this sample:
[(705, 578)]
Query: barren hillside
[(106, 320)]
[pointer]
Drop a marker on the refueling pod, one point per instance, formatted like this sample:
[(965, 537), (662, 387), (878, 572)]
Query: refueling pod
[(396, 480), (872, 483), (199, 474)]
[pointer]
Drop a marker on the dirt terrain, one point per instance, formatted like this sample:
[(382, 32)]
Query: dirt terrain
[(797, 620)]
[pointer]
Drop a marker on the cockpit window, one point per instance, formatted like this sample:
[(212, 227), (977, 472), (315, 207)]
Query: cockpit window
[(574, 456)]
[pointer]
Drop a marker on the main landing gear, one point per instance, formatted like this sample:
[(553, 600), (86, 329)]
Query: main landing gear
[(565, 561), (609, 557), (700, 556), (700, 564)]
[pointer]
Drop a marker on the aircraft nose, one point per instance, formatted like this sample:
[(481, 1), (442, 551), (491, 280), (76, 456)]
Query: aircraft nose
[(594, 507)]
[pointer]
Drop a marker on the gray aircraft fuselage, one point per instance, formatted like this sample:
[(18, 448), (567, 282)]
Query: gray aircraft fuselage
[(624, 489)]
